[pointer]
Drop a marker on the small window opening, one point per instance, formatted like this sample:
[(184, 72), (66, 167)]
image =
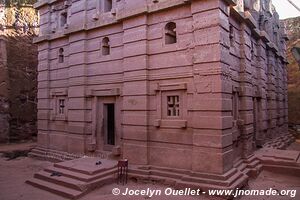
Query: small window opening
[(170, 33), (63, 19), (61, 56), (105, 46), (107, 5), (61, 106), (173, 106)]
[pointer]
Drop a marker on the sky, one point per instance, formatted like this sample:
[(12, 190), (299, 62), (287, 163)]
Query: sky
[(285, 9)]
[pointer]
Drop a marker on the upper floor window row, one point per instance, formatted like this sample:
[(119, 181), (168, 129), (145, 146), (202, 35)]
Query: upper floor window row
[(170, 38)]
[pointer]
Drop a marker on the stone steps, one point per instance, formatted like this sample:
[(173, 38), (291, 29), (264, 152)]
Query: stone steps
[(54, 188), (224, 176), (284, 161), (81, 176), (66, 179), (82, 171), (250, 166), (61, 180), (69, 187), (280, 142), (205, 187), (216, 182), (291, 170), (192, 179)]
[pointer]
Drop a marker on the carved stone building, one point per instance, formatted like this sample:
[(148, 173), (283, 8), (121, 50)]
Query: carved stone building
[(181, 84)]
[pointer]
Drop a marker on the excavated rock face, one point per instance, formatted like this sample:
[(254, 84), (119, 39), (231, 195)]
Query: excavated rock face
[(293, 30), (18, 70)]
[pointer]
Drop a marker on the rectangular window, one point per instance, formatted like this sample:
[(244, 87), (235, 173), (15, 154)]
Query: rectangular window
[(173, 106), (61, 106), (63, 19), (107, 5)]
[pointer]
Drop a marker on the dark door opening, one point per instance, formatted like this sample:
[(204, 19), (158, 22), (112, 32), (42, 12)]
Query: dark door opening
[(110, 129)]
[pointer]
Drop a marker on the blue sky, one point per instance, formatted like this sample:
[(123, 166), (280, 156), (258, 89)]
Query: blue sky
[(285, 9)]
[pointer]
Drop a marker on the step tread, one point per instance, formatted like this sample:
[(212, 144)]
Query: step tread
[(54, 188), (187, 178), (69, 173), (223, 177), (100, 170), (61, 180), (81, 176)]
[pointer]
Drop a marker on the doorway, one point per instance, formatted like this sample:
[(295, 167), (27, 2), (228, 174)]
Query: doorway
[(106, 122), (109, 124)]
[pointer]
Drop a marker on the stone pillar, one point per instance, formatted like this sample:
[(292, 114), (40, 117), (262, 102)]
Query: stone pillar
[(246, 93), (271, 95), (43, 95), (277, 96), (262, 85), (135, 119), (78, 121), (212, 121)]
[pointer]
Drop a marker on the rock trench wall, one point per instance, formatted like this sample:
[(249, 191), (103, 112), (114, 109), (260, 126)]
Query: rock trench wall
[(18, 76)]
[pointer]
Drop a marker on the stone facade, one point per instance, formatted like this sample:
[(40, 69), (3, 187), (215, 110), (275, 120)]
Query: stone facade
[(184, 84), (18, 72)]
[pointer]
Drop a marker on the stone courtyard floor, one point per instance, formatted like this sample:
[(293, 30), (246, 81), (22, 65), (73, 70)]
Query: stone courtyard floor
[(14, 173)]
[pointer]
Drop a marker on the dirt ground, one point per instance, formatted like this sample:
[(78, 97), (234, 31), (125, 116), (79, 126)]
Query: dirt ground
[(14, 173)]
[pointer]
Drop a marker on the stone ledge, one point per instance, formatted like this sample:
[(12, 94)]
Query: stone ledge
[(170, 123)]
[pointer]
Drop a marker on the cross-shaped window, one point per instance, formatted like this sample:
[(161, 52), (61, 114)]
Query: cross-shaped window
[(61, 108), (173, 106)]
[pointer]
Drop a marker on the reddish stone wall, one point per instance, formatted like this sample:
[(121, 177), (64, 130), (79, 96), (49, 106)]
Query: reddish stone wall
[(221, 56)]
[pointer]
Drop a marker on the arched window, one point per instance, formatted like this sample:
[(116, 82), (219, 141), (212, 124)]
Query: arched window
[(61, 56), (170, 33), (105, 46)]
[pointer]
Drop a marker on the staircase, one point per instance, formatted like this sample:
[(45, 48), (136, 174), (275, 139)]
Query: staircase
[(251, 166), (280, 142), (72, 179), (283, 161), (188, 179)]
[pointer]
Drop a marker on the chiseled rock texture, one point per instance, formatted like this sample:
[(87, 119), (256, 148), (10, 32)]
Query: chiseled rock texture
[(293, 30), (18, 71), (185, 84)]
